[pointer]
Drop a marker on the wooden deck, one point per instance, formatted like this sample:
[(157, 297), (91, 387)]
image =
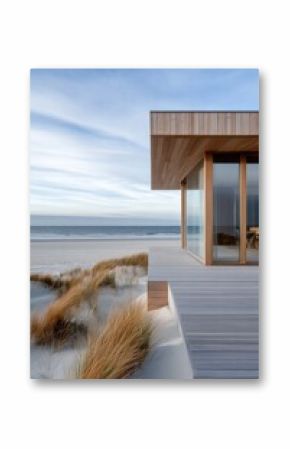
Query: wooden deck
[(217, 308)]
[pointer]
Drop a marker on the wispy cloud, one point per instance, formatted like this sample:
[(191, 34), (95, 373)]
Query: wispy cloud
[(90, 135), (77, 131)]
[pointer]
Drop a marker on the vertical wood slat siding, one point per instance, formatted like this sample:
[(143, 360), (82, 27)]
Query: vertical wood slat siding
[(157, 294), (243, 209), (204, 123)]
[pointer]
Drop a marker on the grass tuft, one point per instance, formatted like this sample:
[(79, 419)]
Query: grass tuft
[(140, 259), (121, 347), (74, 287), (61, 282), (63, 332)]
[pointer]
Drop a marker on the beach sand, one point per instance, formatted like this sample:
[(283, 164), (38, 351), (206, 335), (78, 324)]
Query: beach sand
[(167, 359), (55, 256)]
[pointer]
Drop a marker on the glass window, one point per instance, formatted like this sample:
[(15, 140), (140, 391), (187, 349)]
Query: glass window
[(226, 210), (252, 210), (195, 211)]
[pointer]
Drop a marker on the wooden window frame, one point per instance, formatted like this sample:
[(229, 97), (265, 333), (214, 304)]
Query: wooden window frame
[(208, 188)]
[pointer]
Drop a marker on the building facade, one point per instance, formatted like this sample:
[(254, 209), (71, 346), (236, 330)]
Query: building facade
[(213, 158)]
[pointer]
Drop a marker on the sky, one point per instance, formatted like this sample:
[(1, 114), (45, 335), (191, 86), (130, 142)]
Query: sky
[(89, 138)]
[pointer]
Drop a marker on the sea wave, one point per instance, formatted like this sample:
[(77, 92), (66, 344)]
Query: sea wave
[(104, 237)]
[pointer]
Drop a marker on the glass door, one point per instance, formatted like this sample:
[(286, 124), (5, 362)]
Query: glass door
[(252, 252), (235, 208), (195, 211), (226, 209)]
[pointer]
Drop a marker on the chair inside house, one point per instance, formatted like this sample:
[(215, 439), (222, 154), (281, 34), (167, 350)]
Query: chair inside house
[(253, 237)]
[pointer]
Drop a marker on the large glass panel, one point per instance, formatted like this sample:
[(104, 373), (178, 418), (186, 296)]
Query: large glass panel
[(195, 211), (252, 210), (226, 210)]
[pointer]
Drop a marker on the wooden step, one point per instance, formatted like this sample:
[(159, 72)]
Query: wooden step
[(157, 294)]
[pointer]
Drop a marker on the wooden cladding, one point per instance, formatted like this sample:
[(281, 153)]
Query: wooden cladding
[(157, 294), (215, 123), (173, 157), (179, 141)]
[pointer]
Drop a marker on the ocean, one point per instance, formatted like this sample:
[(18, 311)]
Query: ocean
[(39, 233)]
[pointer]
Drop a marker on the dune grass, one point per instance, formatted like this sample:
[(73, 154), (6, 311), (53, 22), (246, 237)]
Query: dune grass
[(64, 332), (61, 282), (74, 290), (46, 279), (121, 347), (140, 259), (66, 280), (43, 327)]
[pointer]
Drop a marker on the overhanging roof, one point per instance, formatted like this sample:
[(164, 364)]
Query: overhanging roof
[(179, 140)]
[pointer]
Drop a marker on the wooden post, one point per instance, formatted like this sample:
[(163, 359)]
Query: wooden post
[(208, 198), (243, 209), (183, 214)]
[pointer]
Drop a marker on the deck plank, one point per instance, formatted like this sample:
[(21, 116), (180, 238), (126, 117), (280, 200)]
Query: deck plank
[(218, 311)]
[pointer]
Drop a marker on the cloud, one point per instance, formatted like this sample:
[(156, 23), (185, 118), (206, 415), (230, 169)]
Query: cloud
[(76, 130), (89, 140)]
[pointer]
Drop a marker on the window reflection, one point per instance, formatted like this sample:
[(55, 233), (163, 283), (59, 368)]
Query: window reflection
[(226, 198), (252, 211), (195, 211)]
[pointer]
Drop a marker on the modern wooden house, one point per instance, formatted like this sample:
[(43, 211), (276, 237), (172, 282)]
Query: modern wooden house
[(211, 283), (212, 157)]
